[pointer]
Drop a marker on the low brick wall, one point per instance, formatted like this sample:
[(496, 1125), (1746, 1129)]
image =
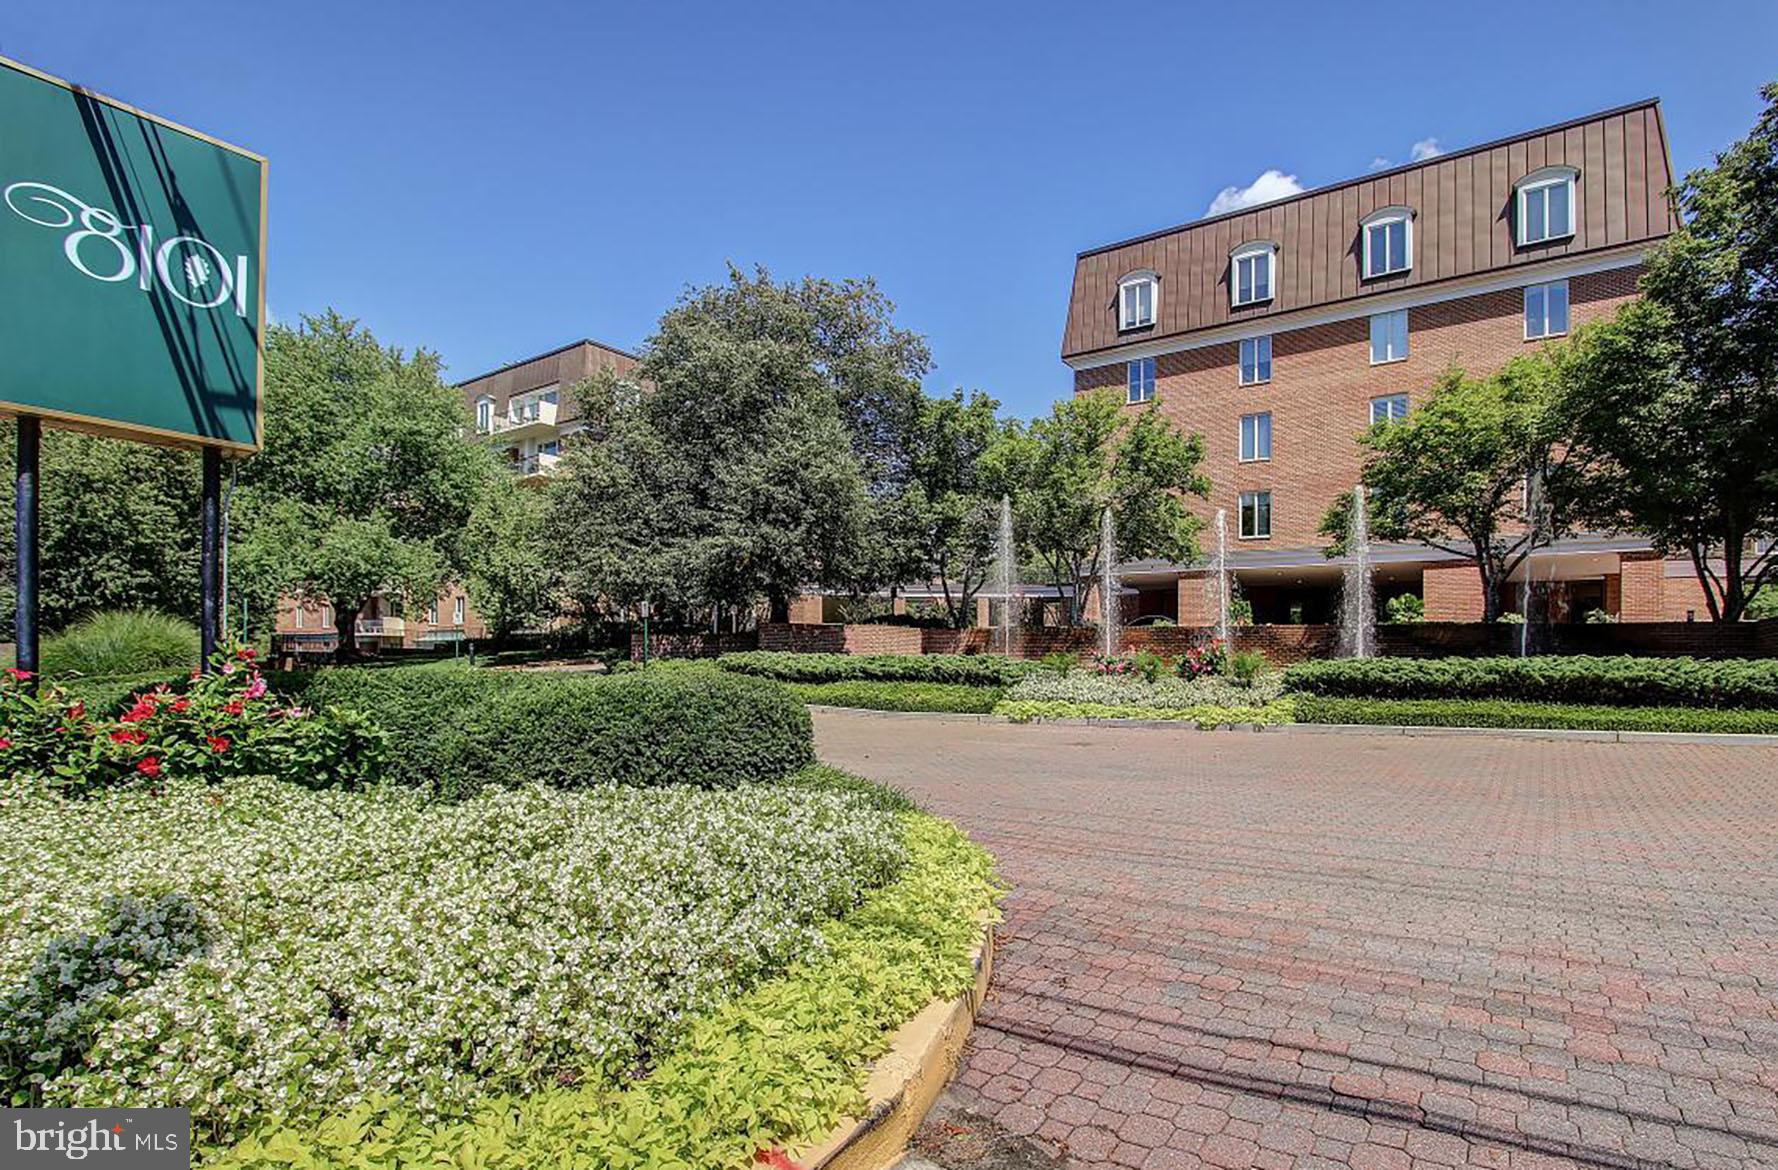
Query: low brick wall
[(834, 638), (682, 645)]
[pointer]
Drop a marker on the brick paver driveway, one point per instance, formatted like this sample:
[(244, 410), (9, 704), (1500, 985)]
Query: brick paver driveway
[(1295, 950)]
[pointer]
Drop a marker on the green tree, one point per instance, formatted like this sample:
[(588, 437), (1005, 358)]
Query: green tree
[(117, 529), (365, 483), (947, 515), (511, 578), (1063, 470), (1674, 403), (729, 477), (1468, 472)]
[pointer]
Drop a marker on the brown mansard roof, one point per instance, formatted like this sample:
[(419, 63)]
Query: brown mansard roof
[(1463, 226)]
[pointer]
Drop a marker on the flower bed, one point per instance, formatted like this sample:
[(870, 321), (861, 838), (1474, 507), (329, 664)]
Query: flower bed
[(989, 670), (1080, 686), (1616, 682), (776, 1067), (1207, 716), (1505, 713), (300, 952)]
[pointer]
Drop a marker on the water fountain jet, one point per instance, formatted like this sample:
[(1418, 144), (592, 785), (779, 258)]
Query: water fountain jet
[(1358, 603)]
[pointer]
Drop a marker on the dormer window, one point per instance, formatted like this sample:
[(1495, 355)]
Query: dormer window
[(1388, 242), (1251, 275), (1136, 300), (484, 414), (1544, 205)]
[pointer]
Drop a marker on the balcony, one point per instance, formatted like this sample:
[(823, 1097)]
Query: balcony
[(538, 466), (529, 421), (384, 627)]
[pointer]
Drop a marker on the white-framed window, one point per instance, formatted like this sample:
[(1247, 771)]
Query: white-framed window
[(1139, 377), (432, 614), (484, 414), (1252, 274), (1256, 437), (1544, 205), (1389, 336), (1546, 309), (1256, 360), (302, 617), (457, 611), (1389, 408), (1388, 241), (1136, 300), (1256, 515)]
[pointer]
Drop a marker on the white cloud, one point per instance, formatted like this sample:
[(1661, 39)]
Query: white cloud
[(1271, 185), (1424, 149), (1378, 163)]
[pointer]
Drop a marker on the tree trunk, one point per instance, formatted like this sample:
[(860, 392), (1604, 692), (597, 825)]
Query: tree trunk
[(1491, 586), (345, 626)]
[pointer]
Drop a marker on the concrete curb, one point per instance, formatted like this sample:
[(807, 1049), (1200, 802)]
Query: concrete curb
[(1411, 732), (905, 1081)]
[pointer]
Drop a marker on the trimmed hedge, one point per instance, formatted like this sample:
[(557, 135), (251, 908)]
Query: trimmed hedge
[(458, 731), (1612, 682), (978, 670), (1503, 713), (900, 696)]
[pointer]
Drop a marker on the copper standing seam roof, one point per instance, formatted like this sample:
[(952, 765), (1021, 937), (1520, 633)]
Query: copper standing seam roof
[(1462, 205)]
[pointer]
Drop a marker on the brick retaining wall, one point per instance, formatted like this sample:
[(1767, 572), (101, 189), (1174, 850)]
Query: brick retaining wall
[(683, 645)]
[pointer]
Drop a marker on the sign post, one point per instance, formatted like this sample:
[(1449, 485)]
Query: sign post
[(132, 295)]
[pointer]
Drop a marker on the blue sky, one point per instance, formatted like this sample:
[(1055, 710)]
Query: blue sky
[(492, 180)]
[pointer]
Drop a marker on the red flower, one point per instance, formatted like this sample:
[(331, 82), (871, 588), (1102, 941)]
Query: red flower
[(150, 767), (234, 707), (219, 744), (144, 709), (246, 654), (16, 673), (4, 743), (77, 711), (181, 707), (129, 737)]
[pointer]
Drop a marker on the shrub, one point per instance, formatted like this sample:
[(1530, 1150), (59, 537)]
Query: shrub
[(1240, 611), (1245, 666), (1508, 713), (1149, 665), (455, 731), (776, 1067), (987, 670), (1405, 608), (378, 943), (122, 641), (900, 696), (1206, 658), (1112, 666), (1058, 662), (225, 723), (1616, 681), (1599, 617)]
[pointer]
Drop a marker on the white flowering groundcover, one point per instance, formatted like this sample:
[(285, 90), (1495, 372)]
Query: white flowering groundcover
[(358, 944), (1165, 693)]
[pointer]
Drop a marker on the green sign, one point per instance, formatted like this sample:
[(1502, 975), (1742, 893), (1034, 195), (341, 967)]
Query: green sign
[(132, 269)]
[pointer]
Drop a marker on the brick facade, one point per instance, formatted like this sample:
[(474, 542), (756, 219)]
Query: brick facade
[(1320, 394)]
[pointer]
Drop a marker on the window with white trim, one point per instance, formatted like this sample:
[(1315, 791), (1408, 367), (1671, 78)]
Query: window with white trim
[(457, 612), (1139, 376), (302, 617), (1544, 205), (1136, 300), (1388, 242), (484, 414), (432, 614), (1546, 309), (1251, 273), (1256, 360), (1389, 337), (1256, 437), (1389, 408), (1256, 515)]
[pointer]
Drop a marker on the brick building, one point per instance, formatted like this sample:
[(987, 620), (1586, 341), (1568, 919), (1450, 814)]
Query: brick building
[(1281, 332)]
